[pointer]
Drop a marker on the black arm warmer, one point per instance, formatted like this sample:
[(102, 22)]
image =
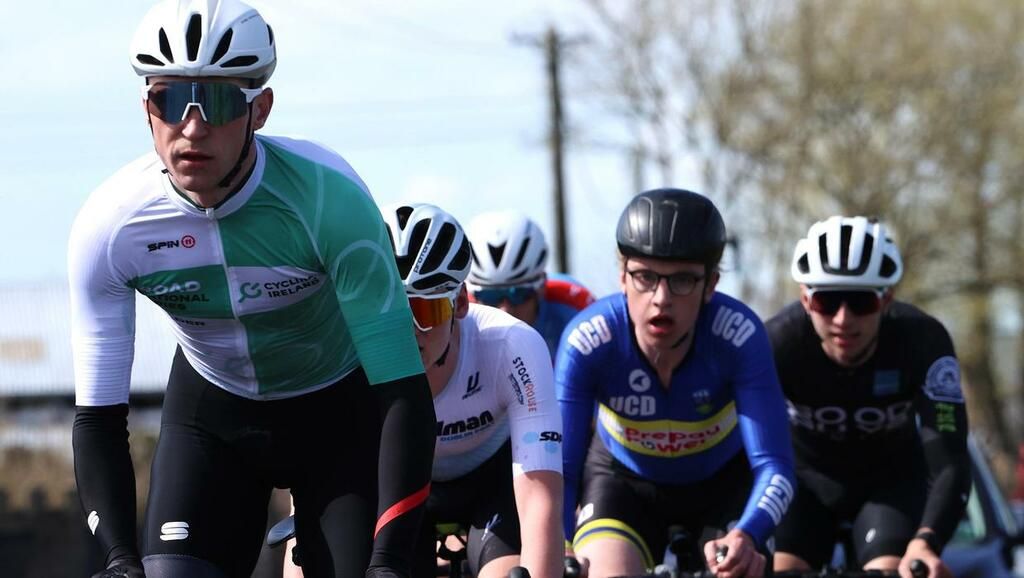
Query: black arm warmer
[(105, 478), (950, 472), (404, 468)]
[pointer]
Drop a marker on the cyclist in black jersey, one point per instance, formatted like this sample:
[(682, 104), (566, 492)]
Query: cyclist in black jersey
[(297, 365), (876, 409)]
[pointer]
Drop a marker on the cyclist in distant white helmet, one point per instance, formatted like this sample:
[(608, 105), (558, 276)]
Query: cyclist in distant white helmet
[(876, 410), (510, 256), (296, 365)]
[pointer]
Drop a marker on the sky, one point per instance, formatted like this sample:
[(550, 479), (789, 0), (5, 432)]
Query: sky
[(429, 101)]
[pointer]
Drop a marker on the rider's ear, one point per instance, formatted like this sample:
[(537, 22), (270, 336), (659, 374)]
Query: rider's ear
[(261, 108), (462, 303)]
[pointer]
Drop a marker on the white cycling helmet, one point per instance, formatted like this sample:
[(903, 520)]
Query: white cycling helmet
[(508, 249), (847, 252), (204, 38), (430, 246)]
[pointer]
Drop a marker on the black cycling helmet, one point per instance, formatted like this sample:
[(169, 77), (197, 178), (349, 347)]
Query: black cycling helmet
[(673, 224)]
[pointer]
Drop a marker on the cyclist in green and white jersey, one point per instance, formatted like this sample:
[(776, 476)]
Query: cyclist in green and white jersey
[(274, 267)]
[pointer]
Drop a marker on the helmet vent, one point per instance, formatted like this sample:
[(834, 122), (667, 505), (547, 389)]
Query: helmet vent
[(540, 259), (461, 259), (442, 243), (845, 267), (403, 213), (193, 35), (433, 281), (240, 61), (888, 268), (521, 254), (845, 233), (270, 34), (803, 264), (165, 47), (497, 252), (404, 263), (222, 47), (147, 59)]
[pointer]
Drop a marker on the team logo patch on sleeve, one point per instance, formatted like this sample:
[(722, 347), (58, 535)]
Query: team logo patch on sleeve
[(943, 380)]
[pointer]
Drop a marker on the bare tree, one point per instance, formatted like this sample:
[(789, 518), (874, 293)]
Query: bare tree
[(910, 111)]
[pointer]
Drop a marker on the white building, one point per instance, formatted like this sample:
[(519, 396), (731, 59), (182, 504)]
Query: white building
[(35, 343)]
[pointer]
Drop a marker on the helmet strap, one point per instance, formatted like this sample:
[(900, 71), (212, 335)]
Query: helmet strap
[(249, 134), (681, 339), (448, 347)]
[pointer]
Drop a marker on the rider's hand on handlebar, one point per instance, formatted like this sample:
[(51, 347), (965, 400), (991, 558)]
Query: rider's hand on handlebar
[(919, 550), (124, 567), (742, 560), (572, 568), (582, 565)]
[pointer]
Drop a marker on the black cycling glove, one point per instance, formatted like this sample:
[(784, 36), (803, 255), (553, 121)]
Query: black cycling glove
[(125, 567)]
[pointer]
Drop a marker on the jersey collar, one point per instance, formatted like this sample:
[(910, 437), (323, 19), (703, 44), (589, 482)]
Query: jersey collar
[(229, 205)]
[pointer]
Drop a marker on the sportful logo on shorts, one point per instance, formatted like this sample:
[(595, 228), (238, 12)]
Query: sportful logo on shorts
[(667, 438), (171, 531)]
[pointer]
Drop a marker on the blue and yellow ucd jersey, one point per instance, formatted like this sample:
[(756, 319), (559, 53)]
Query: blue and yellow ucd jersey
[(723, 398)]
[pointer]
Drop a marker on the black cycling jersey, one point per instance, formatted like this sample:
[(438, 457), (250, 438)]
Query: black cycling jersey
[(900, 412)]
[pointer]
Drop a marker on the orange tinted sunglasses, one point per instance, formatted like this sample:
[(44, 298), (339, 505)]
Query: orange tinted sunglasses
[(429, 312)]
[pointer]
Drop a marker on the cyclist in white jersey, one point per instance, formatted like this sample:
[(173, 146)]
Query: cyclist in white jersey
[(498, 457), (499, 429), (296, 364)]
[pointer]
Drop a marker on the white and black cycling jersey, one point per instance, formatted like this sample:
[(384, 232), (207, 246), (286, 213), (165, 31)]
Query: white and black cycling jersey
[(502, 387)]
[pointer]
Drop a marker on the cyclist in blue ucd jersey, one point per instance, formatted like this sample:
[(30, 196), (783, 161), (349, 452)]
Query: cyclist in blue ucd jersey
[(510, 254), (877, 412), (296, 364), (690, 419)]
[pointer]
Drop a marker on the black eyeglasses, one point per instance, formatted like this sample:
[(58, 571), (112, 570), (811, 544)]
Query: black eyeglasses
[(647, 281), (858, 301)]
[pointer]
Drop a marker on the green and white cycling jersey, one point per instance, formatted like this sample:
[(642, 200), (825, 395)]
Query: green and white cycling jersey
[(282, 289)]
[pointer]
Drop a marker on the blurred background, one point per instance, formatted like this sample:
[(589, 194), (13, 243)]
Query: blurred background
[(782, 111)]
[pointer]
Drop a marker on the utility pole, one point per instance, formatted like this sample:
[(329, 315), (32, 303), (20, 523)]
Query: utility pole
[(553, 44), (556, 142)]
